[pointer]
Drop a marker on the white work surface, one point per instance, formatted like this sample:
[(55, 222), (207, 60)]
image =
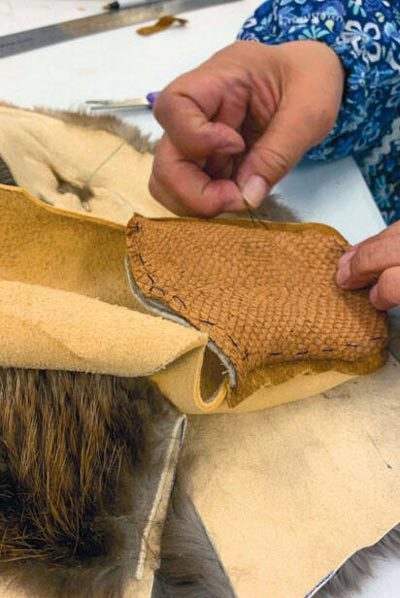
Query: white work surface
[(121, 64)]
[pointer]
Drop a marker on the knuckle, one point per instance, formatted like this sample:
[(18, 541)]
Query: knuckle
[(362, 261), (273, 165)]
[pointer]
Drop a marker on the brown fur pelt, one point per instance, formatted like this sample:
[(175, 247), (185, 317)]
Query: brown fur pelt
[(72, 447)]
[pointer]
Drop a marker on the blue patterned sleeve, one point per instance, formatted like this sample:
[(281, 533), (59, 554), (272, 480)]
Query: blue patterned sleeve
[(365, 34)]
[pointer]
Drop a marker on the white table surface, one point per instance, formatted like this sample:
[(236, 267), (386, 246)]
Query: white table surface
[(120, 63)]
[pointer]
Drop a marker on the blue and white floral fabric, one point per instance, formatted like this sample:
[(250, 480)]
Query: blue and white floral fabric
[(366, 36)]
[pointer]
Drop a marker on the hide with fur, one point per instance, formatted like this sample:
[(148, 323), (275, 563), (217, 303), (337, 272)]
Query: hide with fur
[(80, 465)]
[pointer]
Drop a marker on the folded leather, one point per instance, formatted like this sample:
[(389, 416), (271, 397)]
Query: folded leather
[(84, 256), (265, 295)]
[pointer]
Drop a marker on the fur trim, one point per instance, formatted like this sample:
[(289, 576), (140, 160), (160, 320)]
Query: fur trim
[(112, 124), (132, 134)]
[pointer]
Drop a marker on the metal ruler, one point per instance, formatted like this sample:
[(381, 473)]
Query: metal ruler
[(16, 43)]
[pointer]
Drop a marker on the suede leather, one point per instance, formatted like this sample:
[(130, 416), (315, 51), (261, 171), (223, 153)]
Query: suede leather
[(85, 256)]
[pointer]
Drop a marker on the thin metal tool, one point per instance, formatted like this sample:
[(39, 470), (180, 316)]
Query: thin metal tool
[(25, 41), (117, 105), (252, 213)]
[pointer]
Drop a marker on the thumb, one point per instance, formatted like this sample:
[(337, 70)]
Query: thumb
[(288, 136)]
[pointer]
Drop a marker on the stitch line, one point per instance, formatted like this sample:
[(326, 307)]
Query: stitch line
[(150, 277), (155, 287), (207, 322), (181, 301), (234, 343)]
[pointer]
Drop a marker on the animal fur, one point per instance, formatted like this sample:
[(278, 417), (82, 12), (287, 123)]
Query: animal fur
[(355, 571), (132, 135), (72, 447), (190, 567), (6, 178)]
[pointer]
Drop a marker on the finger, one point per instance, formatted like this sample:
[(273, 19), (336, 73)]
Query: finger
[(393, 229), (184, 188), (362, 266), (219, 166), (208, 199), (164, 197), (284, 143), (303, 119), (386, 293), (187, 117)]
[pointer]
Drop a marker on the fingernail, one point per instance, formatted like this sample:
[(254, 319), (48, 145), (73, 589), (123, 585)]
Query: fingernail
[(343, 274), (346, 257), (255, 190)]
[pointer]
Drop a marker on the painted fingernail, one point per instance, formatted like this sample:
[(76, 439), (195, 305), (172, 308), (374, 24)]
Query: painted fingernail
[(255, 190), (343, 274)]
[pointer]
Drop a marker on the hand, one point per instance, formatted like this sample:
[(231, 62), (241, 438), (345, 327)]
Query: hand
[(376, 262), (239, 122)]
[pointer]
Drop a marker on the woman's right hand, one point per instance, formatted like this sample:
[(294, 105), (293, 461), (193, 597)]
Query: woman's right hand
[(238, 123)]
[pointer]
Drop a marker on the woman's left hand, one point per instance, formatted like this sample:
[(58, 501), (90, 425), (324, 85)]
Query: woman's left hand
[(375, 262)]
